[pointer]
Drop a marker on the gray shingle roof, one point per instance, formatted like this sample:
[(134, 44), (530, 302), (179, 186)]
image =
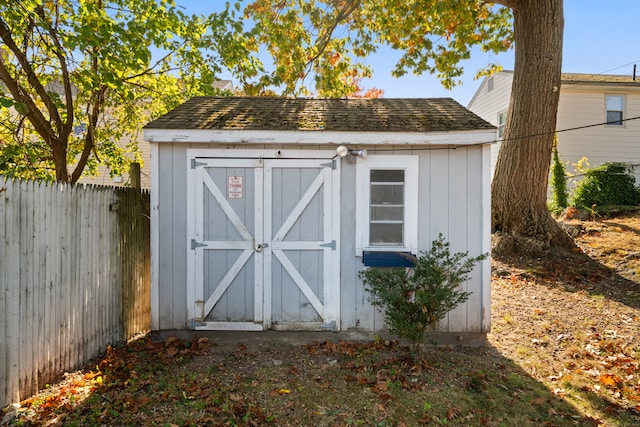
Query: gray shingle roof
[(273, 113), (597, 79), (608, 79)]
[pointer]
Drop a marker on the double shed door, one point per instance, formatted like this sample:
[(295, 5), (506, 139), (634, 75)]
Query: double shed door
[(263, 244)]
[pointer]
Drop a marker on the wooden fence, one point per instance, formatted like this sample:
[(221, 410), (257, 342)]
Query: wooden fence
[(74, 278)]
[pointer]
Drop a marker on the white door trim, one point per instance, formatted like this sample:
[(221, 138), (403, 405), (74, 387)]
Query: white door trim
[(197, 307), (328, 179)]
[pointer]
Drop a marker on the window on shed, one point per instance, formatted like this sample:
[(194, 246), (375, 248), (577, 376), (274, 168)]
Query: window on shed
[(502, 120), (490, 84), (386, 207), (386, 203), (615, 110)]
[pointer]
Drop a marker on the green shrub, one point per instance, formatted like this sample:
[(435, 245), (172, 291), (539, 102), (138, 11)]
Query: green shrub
[(559, 196), (611, 184), (415, 298)]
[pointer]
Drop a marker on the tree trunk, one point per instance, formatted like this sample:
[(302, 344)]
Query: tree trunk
[(519, 187), (60, 161)]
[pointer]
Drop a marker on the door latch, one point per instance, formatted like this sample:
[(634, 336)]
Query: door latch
[(261, 246)]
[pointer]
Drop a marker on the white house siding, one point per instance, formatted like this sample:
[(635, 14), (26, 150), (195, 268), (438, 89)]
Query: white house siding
[(488, 104), (104, 178), (584, 106), (581, 104), (453, 200)]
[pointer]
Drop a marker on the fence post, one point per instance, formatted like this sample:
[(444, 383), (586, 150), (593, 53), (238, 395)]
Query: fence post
[(134, 174)]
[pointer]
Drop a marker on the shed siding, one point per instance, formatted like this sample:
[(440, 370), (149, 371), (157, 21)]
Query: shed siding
[(452, 186), (453, 189)]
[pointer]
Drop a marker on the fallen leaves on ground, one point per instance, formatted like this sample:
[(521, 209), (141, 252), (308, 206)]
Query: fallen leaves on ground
[(563, 351)]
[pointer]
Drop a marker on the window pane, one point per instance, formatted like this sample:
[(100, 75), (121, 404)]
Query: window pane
[(386, 207), (385, 234), (614, 117), (502, 120), (386, 213), (385, 175), (387, 194), (614, 103)]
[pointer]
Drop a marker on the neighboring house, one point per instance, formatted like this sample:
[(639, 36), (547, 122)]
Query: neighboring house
[(104, 178), (264, 210), (585, 99)]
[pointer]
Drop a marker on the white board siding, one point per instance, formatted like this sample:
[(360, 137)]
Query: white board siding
[(454, 200), (488, 104), (154, 304), (599, 144), (580, 105)]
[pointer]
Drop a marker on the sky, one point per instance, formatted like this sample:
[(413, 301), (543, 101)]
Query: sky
[(600, 37)]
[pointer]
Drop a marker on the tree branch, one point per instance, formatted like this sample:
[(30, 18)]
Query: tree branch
[(65, 127), (94, 108), (89, 139), (511, 4), (40, 123), (347, 10)]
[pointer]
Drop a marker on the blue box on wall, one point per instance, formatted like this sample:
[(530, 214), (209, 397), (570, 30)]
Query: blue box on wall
[(388, 259)]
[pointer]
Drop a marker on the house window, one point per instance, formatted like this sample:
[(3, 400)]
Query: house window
[(387, 203), (502, 120), (490, 84), (615, 110)]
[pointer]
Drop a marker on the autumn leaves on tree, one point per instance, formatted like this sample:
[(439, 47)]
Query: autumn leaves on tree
[(434, 36), (76, 77), (98, 55)]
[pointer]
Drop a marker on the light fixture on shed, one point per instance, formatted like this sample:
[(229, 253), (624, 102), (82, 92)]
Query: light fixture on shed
[(343, 151), (359, 153)]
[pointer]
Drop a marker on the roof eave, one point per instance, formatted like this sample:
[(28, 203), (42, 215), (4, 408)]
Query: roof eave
[(306, 137)]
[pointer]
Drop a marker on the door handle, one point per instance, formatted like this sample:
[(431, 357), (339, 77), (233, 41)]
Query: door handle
[(261, 246)]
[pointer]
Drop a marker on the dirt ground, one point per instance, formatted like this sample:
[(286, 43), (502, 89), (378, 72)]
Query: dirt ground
[(564, 350)]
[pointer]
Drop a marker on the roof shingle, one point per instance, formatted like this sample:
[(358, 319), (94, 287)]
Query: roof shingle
[(310, 114), (608, 79)]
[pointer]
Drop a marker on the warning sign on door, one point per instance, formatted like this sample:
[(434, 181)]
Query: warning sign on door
[(235, 187)]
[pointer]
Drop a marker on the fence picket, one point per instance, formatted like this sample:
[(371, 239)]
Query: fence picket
[(74, 278)]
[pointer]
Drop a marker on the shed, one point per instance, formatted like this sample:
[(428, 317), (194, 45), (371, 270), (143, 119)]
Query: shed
[(264, 210)]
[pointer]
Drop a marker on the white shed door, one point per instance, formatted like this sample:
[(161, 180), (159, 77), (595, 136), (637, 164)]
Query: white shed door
[(263, 244)]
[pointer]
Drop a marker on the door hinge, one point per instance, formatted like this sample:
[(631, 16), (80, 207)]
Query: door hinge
[(194, 323), (199, 311), (331, 164), (331, 244), (195, 163), (195, 245), (329, 326)]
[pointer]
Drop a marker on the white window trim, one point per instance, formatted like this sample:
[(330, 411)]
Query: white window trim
[(410, 232), (624, 108)]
